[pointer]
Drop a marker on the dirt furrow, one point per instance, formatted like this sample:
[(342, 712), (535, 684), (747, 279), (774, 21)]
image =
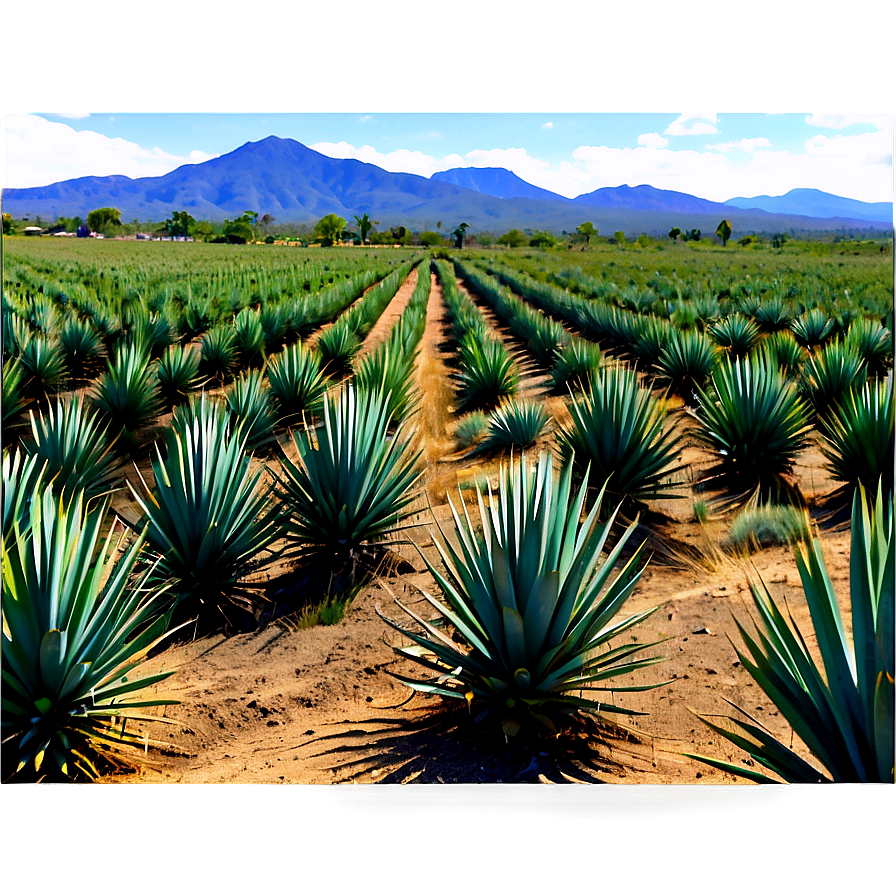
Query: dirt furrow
[(394, 310)]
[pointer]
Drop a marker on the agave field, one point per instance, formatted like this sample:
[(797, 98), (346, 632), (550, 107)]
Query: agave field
[(286, 515)]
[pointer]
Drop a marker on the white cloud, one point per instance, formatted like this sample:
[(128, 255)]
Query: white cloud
[(837, 122), (366, 117), (401, 160), (547, 125), (692, 124), (70, 114), (748, 144), (41, 152), (652, 141)]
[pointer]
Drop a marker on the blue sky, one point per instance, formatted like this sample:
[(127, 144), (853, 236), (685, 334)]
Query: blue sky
[(351, 72), (713, 155)]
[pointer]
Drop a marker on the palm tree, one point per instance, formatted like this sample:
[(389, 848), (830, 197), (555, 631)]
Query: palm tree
[(364, 226)]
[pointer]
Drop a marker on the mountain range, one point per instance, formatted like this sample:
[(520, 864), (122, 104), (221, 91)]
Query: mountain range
[(296, 184)]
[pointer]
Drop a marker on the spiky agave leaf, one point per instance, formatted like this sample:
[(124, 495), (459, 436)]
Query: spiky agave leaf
[(515, 424), (772, 316), (842, 710), (249, 401), (297, 384), (487, 373), (619, 436), (686, 362), (208, 517), (754, 420), (249, 338), (736, 334), (469, 428), (354, 483), (77, 620), (74, 450), (178, 374), (574, 364), (830, 373), (858, 437), (533, 605), (649, 335)]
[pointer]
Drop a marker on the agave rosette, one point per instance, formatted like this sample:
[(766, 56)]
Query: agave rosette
[(842, 710), (354, 483), (78, 618), (532, 600), (297, 383)]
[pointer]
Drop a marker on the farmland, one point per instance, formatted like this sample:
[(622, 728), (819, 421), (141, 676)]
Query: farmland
[(296, 478)]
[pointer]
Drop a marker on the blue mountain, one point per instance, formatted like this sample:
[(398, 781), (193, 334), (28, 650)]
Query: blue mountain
[(817, 204), (494, 182)]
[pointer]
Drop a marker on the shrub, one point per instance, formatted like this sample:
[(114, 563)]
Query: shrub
[(470, 428), (768, 524)]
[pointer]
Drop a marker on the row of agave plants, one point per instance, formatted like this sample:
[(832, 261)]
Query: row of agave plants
[(526, 659), (531, 590), (210, 517), (47, 346)]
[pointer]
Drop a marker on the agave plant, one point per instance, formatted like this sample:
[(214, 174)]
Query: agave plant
[(249, 338), (297, 384), (13, 400), (208, 516), (273, 324), (754, 420), (787, 353), (648, 337), (487, 373), (77, 620), (574, 364), (873, 343), (858, 437), (516, 424), (249, 401), (686, 362), (812, 328), (43, 367), (619, 437), (843, 710), (470, 428), (81, 345), (178, 374), (532, 601), (127, 395), (736, 334), (830, 373), (72, 448), (772, 316), (218, 353), (354, 483), (336, 346), (389, 370)]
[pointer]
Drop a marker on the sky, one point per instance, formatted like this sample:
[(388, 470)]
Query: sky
[(716, 156)]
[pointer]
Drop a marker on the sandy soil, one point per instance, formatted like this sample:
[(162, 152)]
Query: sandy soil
[(317, 705)]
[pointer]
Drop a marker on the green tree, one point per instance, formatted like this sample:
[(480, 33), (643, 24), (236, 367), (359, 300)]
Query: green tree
[(266, 221), (459, 233), (723, 232), (692, 235), (542, 240), (102, 219), (329, 229), (365, 225), (513, 239), (203, 229), (619, 236), (587, 230), (428, 238), (180, 224), (401, 235), (238, 231), (674, 234), (251, 218), (7, 223)]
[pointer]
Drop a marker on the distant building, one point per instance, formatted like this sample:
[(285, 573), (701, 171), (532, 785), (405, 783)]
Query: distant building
[(33, 231)]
